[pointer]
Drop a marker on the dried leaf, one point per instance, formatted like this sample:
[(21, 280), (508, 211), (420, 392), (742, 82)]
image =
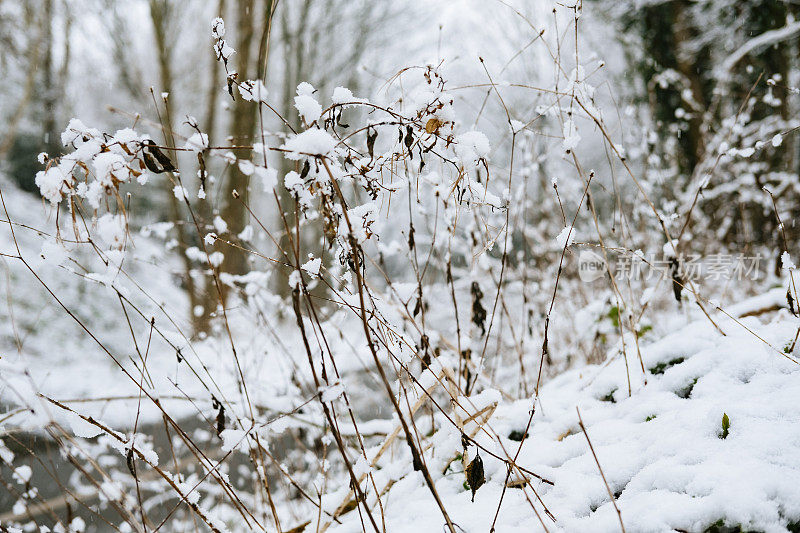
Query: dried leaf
[(130, 462), (478, 312), (220, 419), (432, 125), (677, 281), (300, 528), (517, 483), (151, 164), (475, 476), (162, 159), (409, 140), (371, 136)]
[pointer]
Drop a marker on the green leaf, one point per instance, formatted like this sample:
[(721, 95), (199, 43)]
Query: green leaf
[(613, 315), (726, 424)]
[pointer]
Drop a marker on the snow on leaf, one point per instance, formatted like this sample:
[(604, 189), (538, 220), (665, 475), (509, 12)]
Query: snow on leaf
[(308, 107), (571, 137), (312, 266), (52, 183), (566, 237), (471, 147), (313, 141), (786, 262), (331, 393), (197, 142), (234, 439), (82, 428), (253, 91)]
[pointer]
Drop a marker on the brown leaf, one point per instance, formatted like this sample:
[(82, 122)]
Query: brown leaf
[(300, 528), (475, 476), (432, 125)]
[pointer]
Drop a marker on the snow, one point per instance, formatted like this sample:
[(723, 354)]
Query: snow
[(361, 217), (343, 95), (197, 142), (247, 233), (218, 28), (253, 91), (22, 474), (246, 167), (308, 107), (295, 279), (571, 137), (471, 147), (52, 183), (108, 166), (180, 192), (566, 237), (661, 448), (216, 258), (82, 428), (313, 141), (305, 89), (234, 439), (75, 130), (329, 394), (112, 229), (670, 249), (220, 225), (53, 252), (312, 266), (268, 177), (414, 209), (786, 262)]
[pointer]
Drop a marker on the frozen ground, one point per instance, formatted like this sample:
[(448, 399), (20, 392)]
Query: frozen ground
[(660, 448)]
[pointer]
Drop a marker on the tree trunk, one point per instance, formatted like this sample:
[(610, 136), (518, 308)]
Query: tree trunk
[(242, 130)]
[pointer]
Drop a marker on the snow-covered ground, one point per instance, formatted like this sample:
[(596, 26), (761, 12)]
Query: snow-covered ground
[(661, 448)]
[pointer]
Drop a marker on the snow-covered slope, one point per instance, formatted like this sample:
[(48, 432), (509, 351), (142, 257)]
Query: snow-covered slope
[(661, 448)]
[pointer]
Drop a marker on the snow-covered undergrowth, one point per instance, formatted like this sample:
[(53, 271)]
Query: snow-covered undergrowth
[(44, 353), (401, 345), (669, 460)]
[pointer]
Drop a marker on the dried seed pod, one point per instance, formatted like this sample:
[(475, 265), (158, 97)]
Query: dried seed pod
[(130, 462), (409, 140), (203, 174), (371, 136), (220, 420), (478, 312), (677, 281)]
